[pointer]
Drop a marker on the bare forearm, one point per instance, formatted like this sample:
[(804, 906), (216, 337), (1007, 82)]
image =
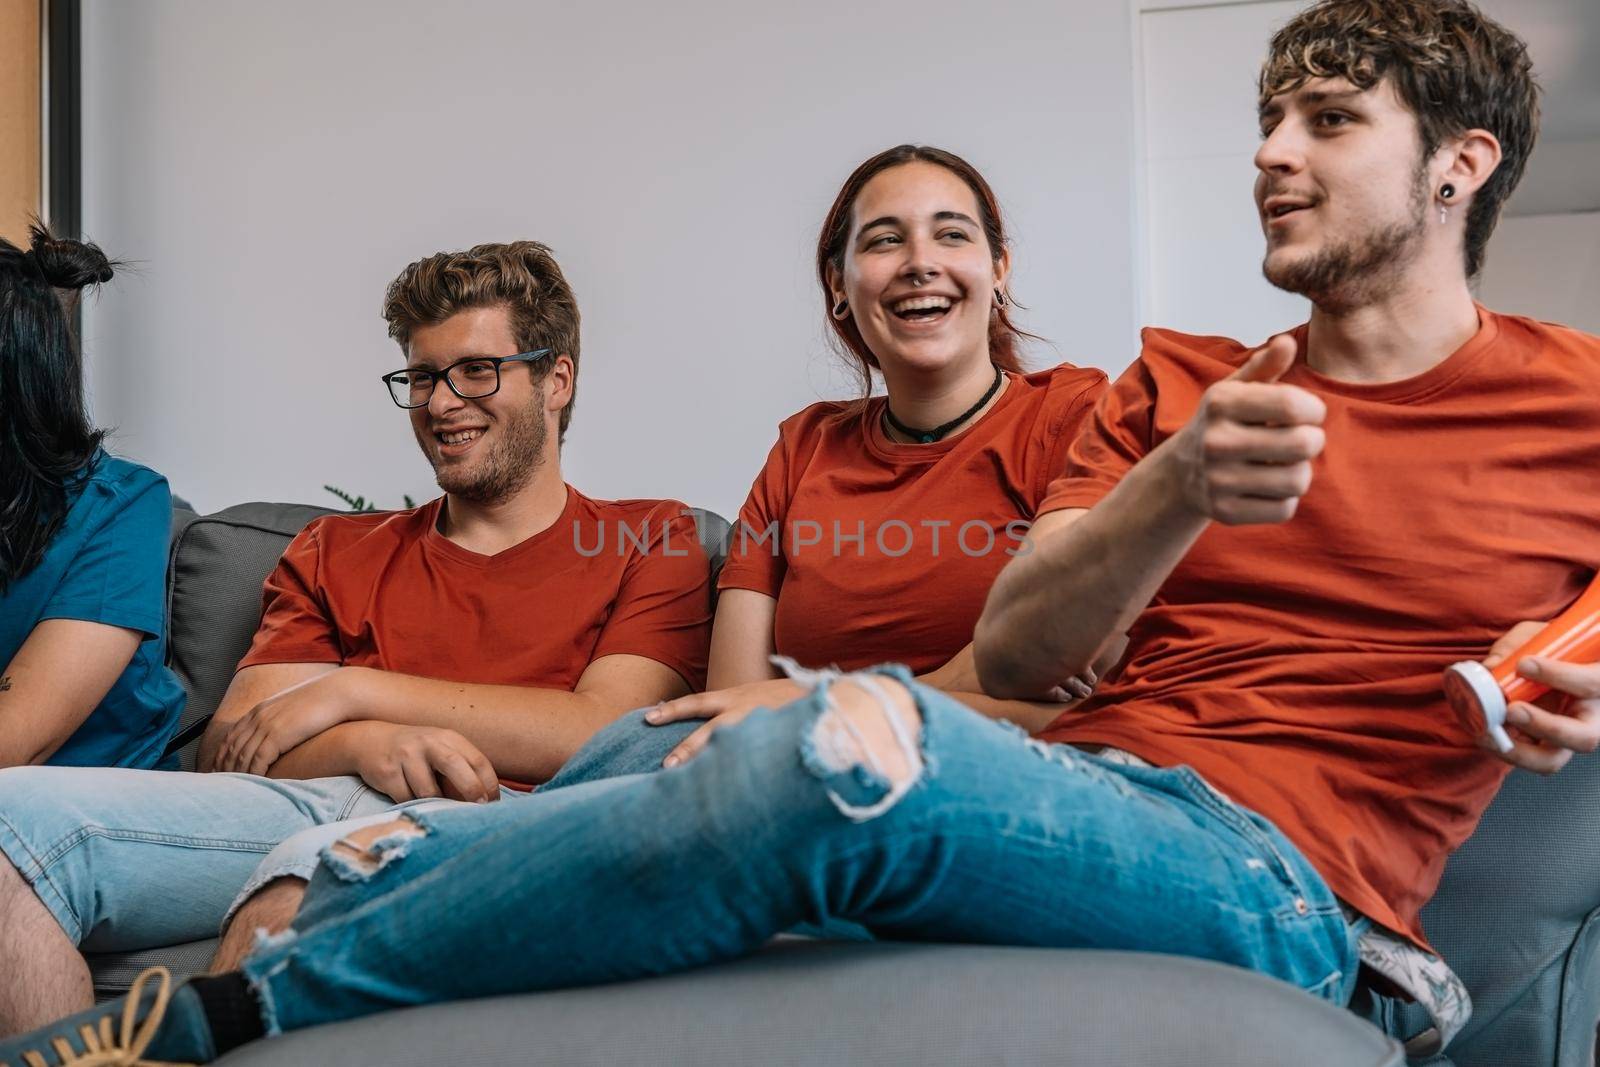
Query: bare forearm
[(331, 753), (250, 686), (1052, 610), (741, 640), (53, 683), (24, 747), (30, 734), (1244, 457), (526, 733)]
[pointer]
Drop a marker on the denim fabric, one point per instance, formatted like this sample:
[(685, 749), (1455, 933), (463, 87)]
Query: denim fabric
[(628, 746), (129, 859), (1001, 839), (625, 747)]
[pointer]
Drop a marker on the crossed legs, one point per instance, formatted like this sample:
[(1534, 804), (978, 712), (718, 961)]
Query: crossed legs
[(867, 800)]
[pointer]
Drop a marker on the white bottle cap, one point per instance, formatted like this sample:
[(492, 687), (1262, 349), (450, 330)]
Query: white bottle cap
[(1478, 699)]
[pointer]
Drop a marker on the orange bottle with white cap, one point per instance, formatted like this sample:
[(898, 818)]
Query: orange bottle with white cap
[(1480, 696)]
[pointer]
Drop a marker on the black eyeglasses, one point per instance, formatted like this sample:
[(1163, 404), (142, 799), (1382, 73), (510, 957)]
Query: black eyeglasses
[(472, 378)]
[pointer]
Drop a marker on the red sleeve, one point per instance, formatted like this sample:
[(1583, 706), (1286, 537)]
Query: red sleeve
[(755, 543), (295, 626), (663, 608), (1116, 435), (1071, 414)]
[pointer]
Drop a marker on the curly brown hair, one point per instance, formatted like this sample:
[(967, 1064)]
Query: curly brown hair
[(1452, 65), (520, 276)]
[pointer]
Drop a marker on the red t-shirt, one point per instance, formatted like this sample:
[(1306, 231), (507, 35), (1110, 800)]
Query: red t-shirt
[(878, 551), (1298, 667), (389, 591)]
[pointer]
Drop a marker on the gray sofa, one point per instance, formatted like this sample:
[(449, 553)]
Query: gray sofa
[(1514, 915)]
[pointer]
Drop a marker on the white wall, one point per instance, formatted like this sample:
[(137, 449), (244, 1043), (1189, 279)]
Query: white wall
[(1546, 267), (272, 166), (1203, 236)]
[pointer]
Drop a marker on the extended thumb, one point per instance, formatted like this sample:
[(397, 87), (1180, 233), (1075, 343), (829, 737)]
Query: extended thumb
[(1269, 362)]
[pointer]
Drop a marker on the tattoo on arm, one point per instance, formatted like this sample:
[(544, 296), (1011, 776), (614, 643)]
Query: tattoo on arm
[(5, 683)]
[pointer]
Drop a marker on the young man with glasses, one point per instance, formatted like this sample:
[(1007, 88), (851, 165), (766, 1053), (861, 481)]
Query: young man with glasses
[(433, 653)]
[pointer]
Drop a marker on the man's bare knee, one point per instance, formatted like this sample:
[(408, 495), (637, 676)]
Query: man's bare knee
[(366, 848), (872, 722)]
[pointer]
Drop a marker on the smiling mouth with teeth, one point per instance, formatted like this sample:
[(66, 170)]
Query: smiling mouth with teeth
[(459, 437), (921, 308)]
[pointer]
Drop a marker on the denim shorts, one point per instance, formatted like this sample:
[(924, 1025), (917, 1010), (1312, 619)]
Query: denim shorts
[(132, 859)]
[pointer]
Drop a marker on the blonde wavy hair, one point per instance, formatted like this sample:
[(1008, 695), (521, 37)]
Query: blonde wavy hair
[(521, 276), (1453, 66)]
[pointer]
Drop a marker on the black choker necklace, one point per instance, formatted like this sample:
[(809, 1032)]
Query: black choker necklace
[(927, 437)]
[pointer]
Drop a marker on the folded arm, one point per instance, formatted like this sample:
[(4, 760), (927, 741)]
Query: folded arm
[(402, 761), (526, 733), (249, 687)]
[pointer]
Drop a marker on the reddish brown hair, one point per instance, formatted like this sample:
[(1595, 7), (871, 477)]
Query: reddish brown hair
[(1003, 333)]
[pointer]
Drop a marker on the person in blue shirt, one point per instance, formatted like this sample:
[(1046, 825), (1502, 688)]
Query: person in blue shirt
[(83, 541)]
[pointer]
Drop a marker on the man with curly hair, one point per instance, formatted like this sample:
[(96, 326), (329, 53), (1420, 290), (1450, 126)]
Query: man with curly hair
[(1299, 539)]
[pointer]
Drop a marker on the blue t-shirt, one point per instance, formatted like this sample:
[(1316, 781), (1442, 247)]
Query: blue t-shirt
[(108, 564)]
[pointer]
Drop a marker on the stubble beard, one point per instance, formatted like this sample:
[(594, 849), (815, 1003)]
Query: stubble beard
[(509, 467), (1354, 273)]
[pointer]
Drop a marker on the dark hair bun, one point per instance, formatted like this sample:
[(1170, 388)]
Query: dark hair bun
[(68, 264)]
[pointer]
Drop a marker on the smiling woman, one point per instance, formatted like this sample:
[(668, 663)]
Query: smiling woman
[(875, 528), (939, 168), (913, 264)]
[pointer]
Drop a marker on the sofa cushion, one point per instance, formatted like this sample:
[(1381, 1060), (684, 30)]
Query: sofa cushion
[(217, 565), (113, 972), (1517, 915), (801, 1002)]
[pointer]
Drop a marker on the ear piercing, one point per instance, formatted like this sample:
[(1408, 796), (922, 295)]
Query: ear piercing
[(841, 309), (999, 299), (1446, 191)]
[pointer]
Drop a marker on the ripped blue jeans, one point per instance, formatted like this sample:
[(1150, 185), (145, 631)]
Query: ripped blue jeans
[(786, 820)]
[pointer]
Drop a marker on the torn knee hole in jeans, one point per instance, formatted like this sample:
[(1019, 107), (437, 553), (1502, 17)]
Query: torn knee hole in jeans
[(364, 853), (871, 732)]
